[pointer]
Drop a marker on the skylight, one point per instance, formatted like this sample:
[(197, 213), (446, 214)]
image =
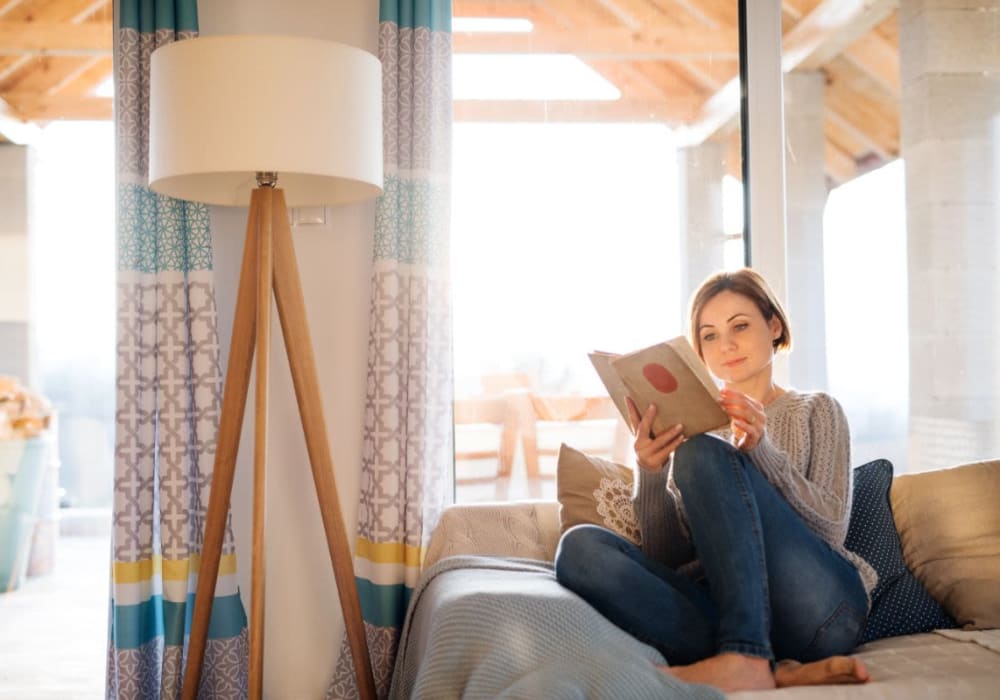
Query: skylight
[(498, 25), (528, 77)]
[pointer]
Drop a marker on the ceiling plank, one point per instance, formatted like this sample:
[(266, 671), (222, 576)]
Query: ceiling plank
[(829, 27), (868, 144), (621, 43), (839, 165), (878, 57), (673, 111), (38, 108), (88, 75), (56, 38)]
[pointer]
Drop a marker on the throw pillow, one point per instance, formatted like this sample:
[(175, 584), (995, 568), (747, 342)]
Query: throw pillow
[(949, 526), (900, 603), (595, 490)]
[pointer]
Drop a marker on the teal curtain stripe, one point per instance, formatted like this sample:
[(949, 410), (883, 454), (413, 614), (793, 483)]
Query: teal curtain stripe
[(149, 15), (433, 14), (135, 625), (158, 233), (412, 221), (383, 606)]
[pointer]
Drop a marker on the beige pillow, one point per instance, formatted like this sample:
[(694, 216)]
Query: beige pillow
[(949, 527), (595, 490)]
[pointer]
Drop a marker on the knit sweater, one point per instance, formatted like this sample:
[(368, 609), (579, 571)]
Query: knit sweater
[(805, 453)]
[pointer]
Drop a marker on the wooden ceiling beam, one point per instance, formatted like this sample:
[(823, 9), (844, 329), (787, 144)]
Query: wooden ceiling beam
[(56, 38), (670, 112), (8, 6), (663, 44), (829, 29), (824, 32), (33, 107)]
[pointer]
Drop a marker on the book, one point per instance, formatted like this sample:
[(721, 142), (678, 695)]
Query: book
[(671, 376)]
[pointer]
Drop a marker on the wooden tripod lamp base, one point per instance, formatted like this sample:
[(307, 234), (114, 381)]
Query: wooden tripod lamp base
[(269, 263), (309, 110)]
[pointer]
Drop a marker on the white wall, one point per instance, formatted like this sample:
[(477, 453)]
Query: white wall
[(304, 625)]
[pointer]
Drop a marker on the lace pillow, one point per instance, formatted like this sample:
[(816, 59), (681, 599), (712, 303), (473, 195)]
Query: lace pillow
[(595, 490)]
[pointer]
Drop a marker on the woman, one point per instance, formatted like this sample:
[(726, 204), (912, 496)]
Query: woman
[(742, 559)]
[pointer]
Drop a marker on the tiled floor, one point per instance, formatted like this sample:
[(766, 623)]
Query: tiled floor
[(53, 630)]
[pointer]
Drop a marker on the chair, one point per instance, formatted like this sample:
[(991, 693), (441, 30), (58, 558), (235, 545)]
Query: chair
[(596, 415), (478, 421)]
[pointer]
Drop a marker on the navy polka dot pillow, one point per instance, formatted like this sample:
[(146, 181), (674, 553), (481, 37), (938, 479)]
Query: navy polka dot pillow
[(900, 603)]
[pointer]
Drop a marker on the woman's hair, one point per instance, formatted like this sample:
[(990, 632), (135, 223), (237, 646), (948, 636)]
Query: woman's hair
[(747, 283)]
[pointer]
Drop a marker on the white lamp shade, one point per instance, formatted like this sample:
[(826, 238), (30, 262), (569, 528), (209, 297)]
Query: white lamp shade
[(224, 108)]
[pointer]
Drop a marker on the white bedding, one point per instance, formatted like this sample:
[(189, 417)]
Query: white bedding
[(948, 664)]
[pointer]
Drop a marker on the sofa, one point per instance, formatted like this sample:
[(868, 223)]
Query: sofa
[(488, 618)]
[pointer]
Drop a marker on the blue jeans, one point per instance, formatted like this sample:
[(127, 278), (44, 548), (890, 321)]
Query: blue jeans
[(772, 587)]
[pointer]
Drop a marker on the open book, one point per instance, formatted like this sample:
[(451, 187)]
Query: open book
[(668, 374)]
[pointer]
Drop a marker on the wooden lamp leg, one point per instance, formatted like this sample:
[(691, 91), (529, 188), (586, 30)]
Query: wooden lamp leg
[(269, 262), (298, 346), (257, 576), (234, 398)]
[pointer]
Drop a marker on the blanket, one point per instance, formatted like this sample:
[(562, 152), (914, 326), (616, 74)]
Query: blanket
[(488, 627)]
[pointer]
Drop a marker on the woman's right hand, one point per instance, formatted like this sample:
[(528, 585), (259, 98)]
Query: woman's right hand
[(652, 451)]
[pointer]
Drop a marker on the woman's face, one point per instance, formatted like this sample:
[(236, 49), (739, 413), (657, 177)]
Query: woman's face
[(736, 340)]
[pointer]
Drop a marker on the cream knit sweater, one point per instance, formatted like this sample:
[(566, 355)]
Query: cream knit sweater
[(805, 453)]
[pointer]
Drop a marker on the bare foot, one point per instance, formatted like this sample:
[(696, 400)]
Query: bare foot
[(834, 670), (727, 672)]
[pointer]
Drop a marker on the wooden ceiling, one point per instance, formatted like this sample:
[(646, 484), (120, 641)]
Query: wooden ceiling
[(673, 61)]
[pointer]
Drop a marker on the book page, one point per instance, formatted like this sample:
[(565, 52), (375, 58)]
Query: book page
[(671, 376), (612, 382)]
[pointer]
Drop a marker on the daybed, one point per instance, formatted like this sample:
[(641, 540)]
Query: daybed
[(488, 618)]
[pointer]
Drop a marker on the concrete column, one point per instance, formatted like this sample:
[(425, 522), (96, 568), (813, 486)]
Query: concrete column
[(702, 233), (14, 277), (805, 191), (950, 77)]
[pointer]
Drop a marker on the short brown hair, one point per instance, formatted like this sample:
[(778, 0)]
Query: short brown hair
[(747, 283)]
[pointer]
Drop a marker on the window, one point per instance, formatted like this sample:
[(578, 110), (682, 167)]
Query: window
[(579, 158)]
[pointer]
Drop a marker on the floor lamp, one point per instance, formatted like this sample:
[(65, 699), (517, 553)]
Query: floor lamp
[(231, 119)]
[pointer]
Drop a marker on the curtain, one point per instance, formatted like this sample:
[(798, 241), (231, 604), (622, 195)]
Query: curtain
[(406, 466), (169, 395)]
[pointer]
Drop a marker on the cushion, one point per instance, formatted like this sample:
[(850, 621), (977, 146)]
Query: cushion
[(900, 603), (949, 526), (594, 490)]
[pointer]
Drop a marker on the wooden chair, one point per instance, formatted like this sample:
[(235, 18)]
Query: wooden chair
[(572, 412), (494, 413)]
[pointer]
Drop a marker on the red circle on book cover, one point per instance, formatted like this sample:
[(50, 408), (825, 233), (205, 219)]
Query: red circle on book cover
[(660, 377)]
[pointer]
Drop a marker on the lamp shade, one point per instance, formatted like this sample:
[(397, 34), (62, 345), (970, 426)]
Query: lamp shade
[(224, 108)]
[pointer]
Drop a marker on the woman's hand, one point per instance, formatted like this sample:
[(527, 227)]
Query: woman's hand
[(747, 416), (652, 451)]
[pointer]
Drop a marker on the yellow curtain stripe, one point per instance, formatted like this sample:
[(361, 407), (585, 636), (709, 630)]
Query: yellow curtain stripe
[(389, 553), (170, 569)]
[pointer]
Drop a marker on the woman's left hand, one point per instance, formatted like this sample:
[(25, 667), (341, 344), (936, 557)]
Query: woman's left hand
[(747, 416)]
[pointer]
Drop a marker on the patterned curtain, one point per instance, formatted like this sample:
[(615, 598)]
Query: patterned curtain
[(169, 398), (408, 433)]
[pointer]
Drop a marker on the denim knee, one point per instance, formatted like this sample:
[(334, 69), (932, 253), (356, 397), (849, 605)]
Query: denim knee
[(700, 458), (579, 553), (837, 635)]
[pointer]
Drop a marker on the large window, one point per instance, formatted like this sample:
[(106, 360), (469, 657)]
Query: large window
[(73, 293), (590, 196)]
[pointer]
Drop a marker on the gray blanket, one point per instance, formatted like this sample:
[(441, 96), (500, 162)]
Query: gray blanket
[(487, 627)]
